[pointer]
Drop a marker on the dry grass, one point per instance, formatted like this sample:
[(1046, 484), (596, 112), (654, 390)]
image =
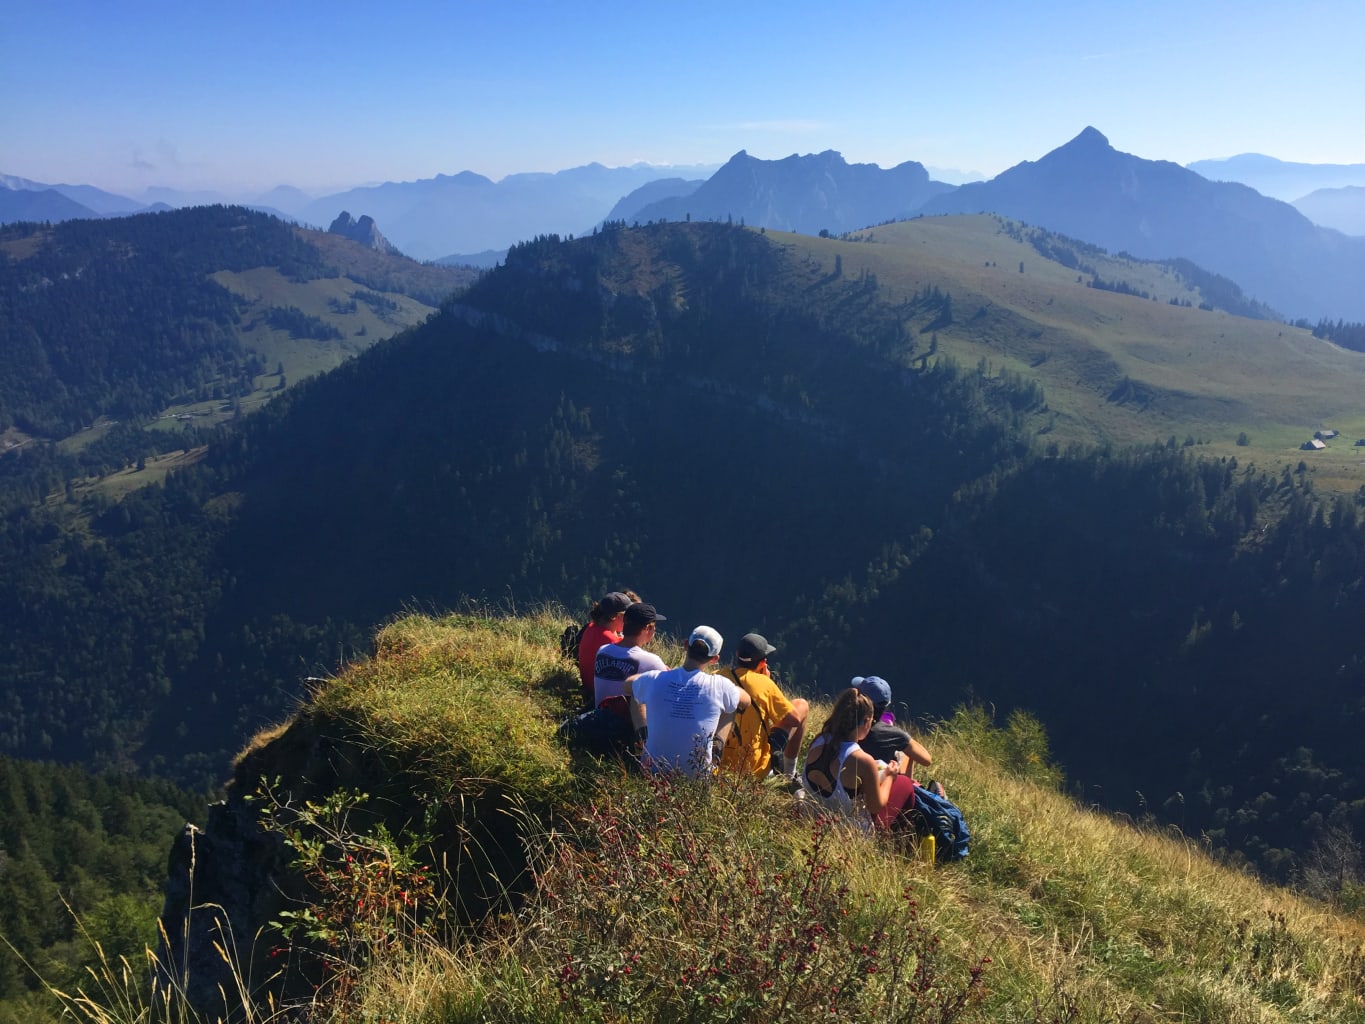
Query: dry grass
[(1083, 917), (1142, 922)]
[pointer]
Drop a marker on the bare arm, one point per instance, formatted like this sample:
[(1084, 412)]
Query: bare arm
[(637, 710), (917, 753), (727, 720), (873, 782), (722, 734)]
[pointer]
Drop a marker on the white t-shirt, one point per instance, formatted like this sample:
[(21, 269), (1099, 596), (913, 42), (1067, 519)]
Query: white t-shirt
[(682, 708), (615, 663)]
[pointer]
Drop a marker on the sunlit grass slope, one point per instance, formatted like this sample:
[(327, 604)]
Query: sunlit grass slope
[(465, 698), (687, 902), (1114, 367)]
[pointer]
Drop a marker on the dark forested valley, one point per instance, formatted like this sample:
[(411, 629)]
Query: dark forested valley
[(748, 439)]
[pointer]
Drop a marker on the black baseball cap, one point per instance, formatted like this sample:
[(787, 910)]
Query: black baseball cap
[(639, 615), (753, 648), (613, 604)]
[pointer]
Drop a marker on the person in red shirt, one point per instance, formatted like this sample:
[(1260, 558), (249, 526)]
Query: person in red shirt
[(604, 627)]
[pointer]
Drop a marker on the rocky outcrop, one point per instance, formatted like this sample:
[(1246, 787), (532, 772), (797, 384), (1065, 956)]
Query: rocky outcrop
[(229, 880), (363, 231)]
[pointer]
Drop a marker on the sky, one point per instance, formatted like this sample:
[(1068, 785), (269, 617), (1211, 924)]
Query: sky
[(240, 97)]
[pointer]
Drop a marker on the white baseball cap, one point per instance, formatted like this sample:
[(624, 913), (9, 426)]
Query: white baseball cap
[(707, 636)]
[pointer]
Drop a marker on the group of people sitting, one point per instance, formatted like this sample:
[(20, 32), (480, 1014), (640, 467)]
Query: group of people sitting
[(697, 717)]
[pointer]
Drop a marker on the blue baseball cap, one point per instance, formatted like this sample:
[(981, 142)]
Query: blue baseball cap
[(874, 688)]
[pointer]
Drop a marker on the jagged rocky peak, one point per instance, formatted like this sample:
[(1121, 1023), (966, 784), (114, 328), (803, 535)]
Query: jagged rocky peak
[(363, 231)]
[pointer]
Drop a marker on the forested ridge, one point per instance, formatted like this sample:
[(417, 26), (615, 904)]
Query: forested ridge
[(750, 439), (112, 321), (118, 317)]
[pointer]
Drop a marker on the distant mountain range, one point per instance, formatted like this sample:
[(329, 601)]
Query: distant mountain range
[(808, 194), (1158, 210), (426, 219), (93, 201), (628, 209), (1280, 179), (1340, 208), (1084, 189), (467, 213), (45, 205), (1330, 195)]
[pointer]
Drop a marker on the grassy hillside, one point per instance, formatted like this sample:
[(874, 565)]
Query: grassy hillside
[(639, 901), (180, 321), (1117, 368)]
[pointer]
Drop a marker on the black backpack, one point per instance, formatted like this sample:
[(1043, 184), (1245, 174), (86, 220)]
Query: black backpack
[(569, 641), (603, 731)]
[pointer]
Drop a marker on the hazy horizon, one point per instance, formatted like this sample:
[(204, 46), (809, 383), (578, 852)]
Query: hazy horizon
[(952, 175), (323, 98)]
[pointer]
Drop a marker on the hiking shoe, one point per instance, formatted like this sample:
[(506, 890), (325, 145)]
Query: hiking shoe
[(936, 788)]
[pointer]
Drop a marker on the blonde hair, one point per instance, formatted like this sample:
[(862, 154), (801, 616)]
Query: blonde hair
[(851, 709)]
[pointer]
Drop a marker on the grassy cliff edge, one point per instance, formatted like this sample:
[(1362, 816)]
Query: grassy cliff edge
[(674, 901)]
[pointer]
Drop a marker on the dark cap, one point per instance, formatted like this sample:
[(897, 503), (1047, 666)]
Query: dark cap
[(753, 648), (613, 604), (639, 615)]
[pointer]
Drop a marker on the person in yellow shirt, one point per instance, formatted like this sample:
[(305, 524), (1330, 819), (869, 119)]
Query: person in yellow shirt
[(768, 734)]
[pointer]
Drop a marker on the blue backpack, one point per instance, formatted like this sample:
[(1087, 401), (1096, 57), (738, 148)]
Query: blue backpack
[(938, 816)]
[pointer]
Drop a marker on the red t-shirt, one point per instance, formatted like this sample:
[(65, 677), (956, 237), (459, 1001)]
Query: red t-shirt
[(594, 636)]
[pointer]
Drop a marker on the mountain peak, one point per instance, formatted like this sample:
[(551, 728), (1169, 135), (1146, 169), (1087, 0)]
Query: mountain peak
[(1089, 138)]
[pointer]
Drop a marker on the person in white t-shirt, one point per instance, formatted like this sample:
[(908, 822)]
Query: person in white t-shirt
[(682, 716), (614, 662)]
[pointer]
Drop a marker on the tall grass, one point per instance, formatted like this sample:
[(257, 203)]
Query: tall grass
[(670, 900)]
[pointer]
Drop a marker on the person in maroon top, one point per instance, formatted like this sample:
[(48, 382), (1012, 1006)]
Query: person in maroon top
[(604, 627)]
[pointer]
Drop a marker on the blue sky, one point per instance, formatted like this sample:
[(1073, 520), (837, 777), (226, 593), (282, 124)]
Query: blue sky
[(247, 95)]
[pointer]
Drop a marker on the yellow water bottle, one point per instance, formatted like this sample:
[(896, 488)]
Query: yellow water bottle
[(928, 849)]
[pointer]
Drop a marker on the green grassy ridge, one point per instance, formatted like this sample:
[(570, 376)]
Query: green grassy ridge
[(180, 266), (264, 288), (1204, 373), (414, 291), (1084, 917)]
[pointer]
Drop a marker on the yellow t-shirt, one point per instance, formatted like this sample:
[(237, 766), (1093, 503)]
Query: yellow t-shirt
[(747, 748)]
